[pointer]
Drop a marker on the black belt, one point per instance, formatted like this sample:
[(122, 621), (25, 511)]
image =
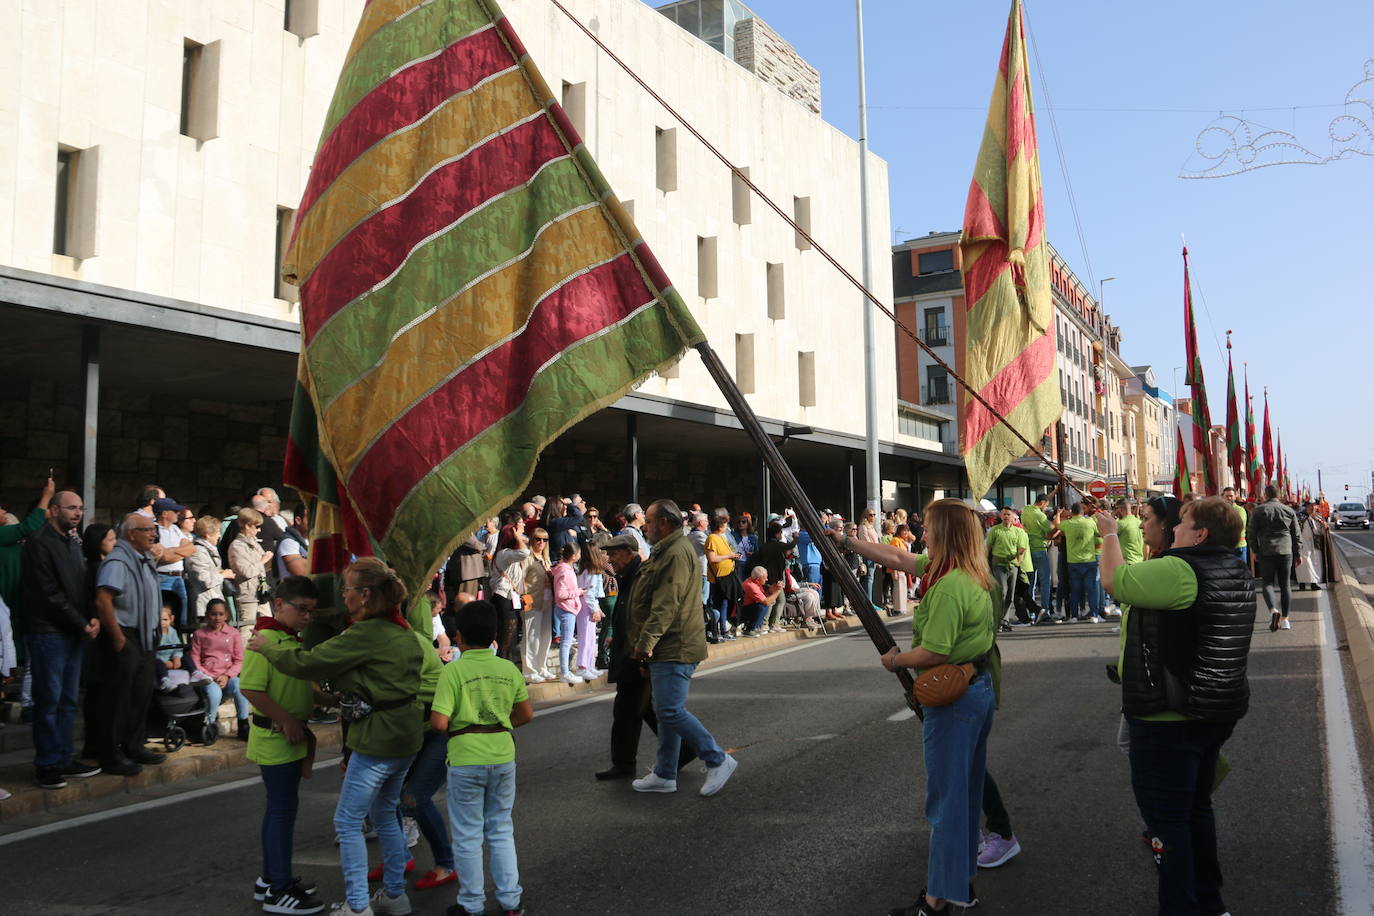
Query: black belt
[(384, 705), (480, 730)]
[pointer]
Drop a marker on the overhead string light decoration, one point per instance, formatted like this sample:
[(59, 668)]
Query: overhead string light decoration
[(1231, 145)]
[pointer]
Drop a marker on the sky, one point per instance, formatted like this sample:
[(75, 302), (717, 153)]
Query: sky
[(1280, 255)]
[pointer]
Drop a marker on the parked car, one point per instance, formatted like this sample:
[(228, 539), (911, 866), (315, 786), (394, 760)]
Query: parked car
[(1351, 515)]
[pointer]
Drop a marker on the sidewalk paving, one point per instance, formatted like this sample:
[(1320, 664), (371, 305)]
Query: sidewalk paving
[(195, 761)]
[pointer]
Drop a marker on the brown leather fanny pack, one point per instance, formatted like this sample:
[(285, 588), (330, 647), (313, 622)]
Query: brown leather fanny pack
[(945, 684)]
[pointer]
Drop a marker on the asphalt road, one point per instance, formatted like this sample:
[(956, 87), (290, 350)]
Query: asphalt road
[(823, 815)]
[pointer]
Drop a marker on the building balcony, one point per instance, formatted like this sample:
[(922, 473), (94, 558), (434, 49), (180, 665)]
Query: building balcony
[(936, 337)]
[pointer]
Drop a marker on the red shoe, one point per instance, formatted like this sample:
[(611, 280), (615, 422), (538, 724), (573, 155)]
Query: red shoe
[(432, 879), (376, 873)]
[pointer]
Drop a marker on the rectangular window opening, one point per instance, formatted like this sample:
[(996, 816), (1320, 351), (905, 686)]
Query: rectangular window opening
[(801, 214), (66, 171), (936, 331), (302, 18), (707, 280), (665, 158), (74, 202), (574, 101), (777, 301), (744, 362), (806, 378), (200, 90), (286, 218), (740, 198), (937, 385), (935, 262)]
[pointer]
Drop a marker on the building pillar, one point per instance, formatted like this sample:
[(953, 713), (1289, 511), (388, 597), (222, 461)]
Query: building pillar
[(850, 508), (90, 365), (632, 455), (765, 490)]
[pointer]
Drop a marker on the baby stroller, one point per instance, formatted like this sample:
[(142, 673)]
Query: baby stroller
[(178, 715)]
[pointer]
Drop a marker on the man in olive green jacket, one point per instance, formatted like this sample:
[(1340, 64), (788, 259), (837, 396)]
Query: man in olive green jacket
[(667, 632)]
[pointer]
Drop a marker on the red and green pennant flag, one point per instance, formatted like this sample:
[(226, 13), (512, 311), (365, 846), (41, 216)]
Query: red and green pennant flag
[(470, 286), (1183, 484), (1009, 349), (1254, 474), (1202, 415), (1269, 467), (1235, 448)]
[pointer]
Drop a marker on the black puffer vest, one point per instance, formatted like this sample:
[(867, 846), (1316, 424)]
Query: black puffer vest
[(1193, 662)]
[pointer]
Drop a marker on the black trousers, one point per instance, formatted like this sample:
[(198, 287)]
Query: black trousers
[(998, 820), (127, 689), (1274, 570), (633, 708), (507, 628)]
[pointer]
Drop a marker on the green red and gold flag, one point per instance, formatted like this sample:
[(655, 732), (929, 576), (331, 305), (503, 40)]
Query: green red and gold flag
[(470, 286), (1254, 473), (1270, 474), (1202, 414), (1008, 348), (1183, 483), (1235, 448)]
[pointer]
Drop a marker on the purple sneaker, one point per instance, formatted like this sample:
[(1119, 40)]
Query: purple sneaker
[(997, 850)]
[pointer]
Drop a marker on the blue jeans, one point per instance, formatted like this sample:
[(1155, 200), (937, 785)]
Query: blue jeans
[(670, 681), (172, 582), (282, 784), (372, 785), (427, 774), (1083, 589), (480, 799), (756, 614), (1173, 766), (1040, 562), (720, 614), (55, 661), (955, 744), (214, 695), (565, 623)]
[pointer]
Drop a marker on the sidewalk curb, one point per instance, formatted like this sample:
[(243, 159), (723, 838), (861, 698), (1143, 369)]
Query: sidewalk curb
[(1357, 622), (551, 693)]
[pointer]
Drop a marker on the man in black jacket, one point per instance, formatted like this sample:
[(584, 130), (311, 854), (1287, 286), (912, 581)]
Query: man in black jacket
[(59, 619), (633, 706)]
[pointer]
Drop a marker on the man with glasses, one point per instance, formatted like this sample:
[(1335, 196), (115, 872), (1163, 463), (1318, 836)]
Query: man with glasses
[(667, 634), (59, 622), (129, 602)]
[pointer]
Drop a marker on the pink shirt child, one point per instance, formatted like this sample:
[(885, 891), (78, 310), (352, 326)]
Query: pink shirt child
[(217, 653), (567, 596)]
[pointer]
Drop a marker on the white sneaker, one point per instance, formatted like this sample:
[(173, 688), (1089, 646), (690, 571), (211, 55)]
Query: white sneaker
[(546, 674), (391, 906), (343, 909), (588, 674), (762, 631), (1285, 625), (717, 777), (652, 782), (569, 678), (412, 831), (536, 679)]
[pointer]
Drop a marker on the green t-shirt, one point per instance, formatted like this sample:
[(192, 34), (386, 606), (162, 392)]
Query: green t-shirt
[(477, 688), (1080, 539), (1167, 584), (1132, 540), (1244, 521), (1004, 542), (295, 695), (430, 669), (955, 618), (1037, 526)]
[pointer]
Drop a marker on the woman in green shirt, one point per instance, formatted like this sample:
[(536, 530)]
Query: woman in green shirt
[(954, 624), (378, 661)]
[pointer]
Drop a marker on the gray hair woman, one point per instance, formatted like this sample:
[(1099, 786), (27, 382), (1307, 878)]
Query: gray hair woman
[(248, 561)]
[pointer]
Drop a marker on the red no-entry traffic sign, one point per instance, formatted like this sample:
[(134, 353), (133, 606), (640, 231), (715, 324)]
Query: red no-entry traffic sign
[(1098, 489)]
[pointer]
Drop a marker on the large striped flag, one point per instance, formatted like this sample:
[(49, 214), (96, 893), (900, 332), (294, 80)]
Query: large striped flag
[(1269, 467), (1202, 414), (1183, 484), (470, 287), (1235, 449), (1009, 342)]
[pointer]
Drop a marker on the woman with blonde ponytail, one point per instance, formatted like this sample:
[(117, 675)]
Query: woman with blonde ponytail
[(375, 663), (954, 624)]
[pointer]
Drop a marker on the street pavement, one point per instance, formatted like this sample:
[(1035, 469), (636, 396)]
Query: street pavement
[(823, 815)]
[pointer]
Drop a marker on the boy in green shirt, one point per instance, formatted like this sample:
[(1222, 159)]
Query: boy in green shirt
[(478, 701), (282, 747), (1080, 543)]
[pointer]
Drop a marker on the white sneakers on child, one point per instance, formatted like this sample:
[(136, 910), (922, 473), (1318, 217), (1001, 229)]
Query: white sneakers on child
[(717, 777), (652, 782)]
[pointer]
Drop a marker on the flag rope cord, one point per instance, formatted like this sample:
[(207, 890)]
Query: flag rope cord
[(741, 176)]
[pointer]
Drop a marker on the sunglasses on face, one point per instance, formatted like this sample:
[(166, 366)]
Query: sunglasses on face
[(541, 540)]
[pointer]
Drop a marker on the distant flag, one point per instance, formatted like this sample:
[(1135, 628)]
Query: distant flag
[(1009, 353), (1202, 415), (1183, 484), (1235, 449), (1269, 467), (1254, 476), (470, 287)]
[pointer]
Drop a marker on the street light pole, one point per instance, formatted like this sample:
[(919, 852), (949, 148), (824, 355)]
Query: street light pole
[(872, 473)]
